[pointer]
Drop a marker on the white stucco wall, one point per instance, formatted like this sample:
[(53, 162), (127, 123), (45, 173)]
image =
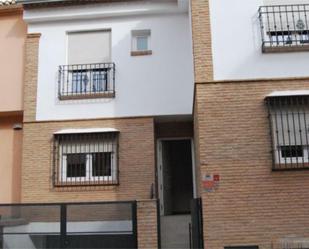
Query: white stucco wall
[(159, 84), (236, 43)]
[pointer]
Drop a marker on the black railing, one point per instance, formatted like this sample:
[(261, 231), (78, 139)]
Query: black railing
[(98, 225), (284, 27), (86, 81), (289, 123), (196, 225), (85, 159)]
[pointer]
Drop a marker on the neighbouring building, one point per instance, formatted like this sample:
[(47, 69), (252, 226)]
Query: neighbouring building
[(12, 40), (108, 90), (250, 122)]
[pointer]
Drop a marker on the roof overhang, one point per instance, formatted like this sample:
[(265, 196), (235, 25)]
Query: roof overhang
[(26, 2), (86, 131), (38, 11)]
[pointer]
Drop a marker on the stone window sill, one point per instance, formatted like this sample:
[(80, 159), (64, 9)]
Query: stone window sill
[(141, 53)]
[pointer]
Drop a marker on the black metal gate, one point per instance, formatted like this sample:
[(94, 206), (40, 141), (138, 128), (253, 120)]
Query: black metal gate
[(197, 240), (100, 225)]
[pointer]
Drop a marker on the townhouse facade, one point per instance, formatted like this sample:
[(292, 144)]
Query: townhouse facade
[(12, 38), (250, 121), (155, 124)]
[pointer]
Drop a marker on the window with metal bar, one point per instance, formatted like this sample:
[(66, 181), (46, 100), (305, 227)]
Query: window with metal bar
[(284, 28), (289, 122), (85, 159)]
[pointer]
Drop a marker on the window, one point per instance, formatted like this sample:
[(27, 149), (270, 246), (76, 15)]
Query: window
[(89, 73), (85, 159), (285, 28), (289, 122), (141, 42), (89, 81)]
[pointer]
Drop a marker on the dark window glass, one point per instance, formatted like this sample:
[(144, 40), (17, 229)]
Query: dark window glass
[(102, 164), (292, 151), (76, 165)]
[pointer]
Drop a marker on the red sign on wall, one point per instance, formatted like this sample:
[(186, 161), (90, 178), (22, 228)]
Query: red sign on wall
[(211, 182)]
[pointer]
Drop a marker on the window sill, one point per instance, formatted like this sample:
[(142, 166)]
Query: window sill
[(290, 166), (141, 53), (285, 49), (85, 184), (87, 96)]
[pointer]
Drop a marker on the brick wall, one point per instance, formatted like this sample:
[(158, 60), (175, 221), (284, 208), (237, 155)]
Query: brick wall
[(253, 205), (136, 162), (31, 76), (202, 48), (147, 224)]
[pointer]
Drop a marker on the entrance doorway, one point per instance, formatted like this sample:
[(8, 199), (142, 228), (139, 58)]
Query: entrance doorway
[(175, 176), (176, 190)]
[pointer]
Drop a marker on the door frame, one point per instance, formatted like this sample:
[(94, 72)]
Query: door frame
[(159, 168)]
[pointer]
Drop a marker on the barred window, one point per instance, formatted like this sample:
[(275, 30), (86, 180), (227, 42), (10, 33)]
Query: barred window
[(289, 122), (85, 159)]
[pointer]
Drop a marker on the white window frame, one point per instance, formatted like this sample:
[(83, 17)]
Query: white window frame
[(89, 177), (291, 160), (139, 34)]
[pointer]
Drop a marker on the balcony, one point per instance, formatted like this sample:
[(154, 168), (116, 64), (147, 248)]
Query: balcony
[(86, 81), (284, 28)]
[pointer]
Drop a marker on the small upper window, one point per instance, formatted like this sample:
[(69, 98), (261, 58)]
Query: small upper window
[(141, 42)]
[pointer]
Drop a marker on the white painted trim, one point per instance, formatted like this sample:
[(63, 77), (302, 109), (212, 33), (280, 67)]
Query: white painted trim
[(193, 168), (104, 10), (160, 176), (90, 130), (288, 93)]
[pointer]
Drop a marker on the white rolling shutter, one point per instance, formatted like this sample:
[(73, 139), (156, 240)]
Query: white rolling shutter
[(89, 47)]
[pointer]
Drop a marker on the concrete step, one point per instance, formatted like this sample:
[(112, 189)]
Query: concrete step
[(175, 231)]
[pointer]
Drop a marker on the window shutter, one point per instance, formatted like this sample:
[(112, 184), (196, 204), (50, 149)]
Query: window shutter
[(89, 47)]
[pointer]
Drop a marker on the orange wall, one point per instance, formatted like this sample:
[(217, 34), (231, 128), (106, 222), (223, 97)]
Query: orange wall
[(12, 39), (10, 159)]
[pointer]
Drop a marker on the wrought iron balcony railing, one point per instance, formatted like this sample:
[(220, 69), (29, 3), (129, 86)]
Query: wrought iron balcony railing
[(285, 28), (86, 81)]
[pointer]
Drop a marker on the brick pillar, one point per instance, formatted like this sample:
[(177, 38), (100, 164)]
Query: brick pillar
[(202, 44), (147, 229), (31, 76)]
